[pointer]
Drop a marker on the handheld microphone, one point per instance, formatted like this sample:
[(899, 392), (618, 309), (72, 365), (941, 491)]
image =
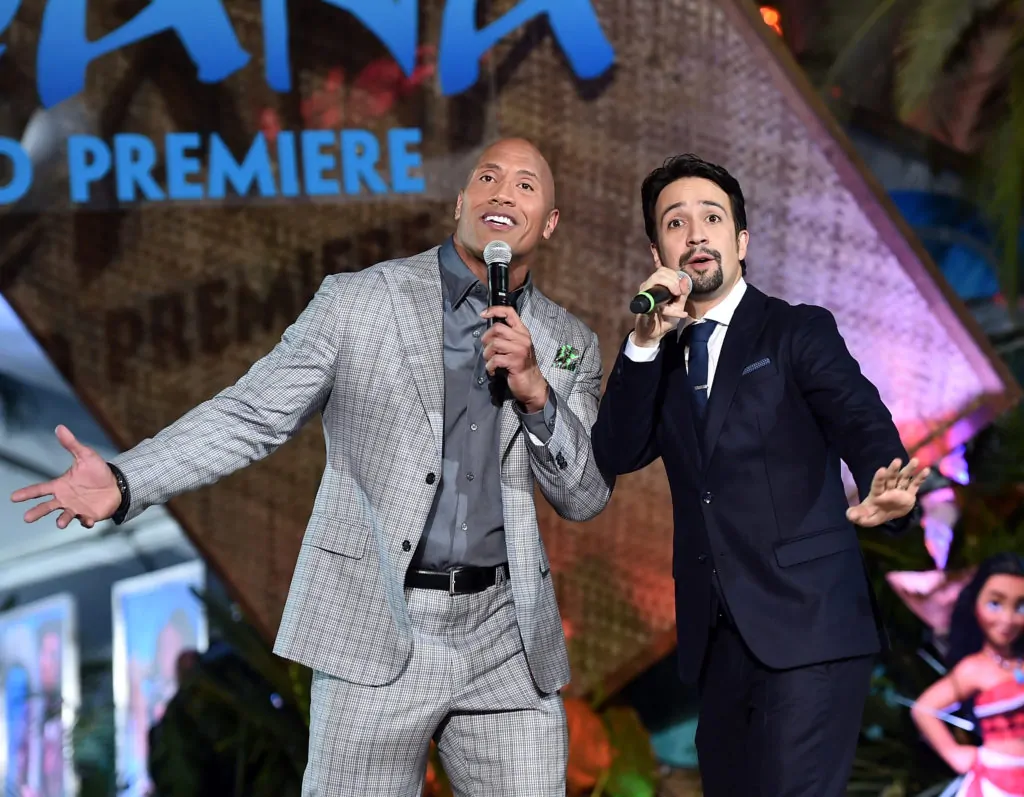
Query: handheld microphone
[(645, 301), (497, 256)]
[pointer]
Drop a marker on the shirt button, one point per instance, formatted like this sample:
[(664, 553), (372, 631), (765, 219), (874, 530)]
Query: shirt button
[(473, 426), (476, 334), (465, 526), (479, 380), (470, 477)]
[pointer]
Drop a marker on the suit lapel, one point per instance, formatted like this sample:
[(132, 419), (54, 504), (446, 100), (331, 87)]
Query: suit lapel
[(535, 319), (740, 338), (418, 308)]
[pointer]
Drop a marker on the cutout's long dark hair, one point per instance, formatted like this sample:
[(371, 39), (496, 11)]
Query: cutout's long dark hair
[(965, 636)]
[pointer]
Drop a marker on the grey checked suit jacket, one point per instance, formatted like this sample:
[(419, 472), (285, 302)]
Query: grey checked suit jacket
[(367, 352)]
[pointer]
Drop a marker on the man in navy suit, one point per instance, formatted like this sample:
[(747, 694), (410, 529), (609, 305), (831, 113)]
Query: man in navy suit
[(751, 403)]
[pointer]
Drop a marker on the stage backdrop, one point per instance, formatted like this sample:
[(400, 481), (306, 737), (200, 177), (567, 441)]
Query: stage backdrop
[(151, 310)]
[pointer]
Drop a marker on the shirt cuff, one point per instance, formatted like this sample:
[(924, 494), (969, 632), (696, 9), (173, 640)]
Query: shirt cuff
[(540, 425), (641, 354)]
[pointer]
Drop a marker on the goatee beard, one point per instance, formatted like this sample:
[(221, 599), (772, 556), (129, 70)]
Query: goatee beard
[(707, 281)]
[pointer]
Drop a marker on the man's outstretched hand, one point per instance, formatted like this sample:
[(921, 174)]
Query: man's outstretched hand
[(87, 491), (893, 494)]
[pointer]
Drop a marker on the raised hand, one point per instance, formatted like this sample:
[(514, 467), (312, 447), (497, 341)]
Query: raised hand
[(87, 491), (650, 329), (510, 346), (893, 494)]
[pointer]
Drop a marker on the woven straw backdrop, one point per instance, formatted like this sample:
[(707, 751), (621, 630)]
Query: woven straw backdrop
[(152, 309)]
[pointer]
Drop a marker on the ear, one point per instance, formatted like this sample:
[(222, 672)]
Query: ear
[(458, 207), (656, 256), (552, 222), (741, 243)]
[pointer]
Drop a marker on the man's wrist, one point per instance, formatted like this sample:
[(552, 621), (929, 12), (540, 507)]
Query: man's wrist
[(537, 402), (126, 499), (643, 341)]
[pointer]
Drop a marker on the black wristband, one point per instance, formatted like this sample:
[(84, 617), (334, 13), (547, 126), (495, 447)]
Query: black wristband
[(122, 485)]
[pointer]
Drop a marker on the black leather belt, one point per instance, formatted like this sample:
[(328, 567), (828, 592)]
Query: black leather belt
[(460, 581)]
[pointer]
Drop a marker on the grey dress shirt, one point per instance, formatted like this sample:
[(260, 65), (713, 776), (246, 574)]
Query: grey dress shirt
[(466, 526)]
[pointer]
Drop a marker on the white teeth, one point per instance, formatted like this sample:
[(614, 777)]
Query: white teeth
[(500, 220)]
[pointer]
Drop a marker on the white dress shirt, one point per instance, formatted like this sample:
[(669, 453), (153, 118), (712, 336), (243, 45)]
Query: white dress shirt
[(721, 313)]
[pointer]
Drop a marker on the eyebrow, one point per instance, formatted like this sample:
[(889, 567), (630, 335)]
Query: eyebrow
[(496, 168), (706, 202)]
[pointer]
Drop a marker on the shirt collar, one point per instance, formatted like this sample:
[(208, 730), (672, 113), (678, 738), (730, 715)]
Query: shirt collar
[(459, 280), (722, 312)]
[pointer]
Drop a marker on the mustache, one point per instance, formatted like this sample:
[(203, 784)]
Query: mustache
[(700, 250)]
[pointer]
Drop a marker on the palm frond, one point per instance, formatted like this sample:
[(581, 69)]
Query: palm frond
[(1003, 175), (934, 31), (878, 13)]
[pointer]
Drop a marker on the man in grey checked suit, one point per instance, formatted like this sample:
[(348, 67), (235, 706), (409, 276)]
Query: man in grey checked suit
[(422, 598)]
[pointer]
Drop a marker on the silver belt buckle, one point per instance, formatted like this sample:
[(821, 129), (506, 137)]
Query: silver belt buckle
[(451, 582)]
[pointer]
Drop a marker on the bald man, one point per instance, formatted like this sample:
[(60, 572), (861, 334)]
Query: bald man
[(422, 598)]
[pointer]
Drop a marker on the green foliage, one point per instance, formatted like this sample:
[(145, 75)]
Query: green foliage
[(939, 40), (634, 770)]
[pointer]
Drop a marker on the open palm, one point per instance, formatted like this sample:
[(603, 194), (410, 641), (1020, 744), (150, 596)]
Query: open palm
[(893, 494), (87, 490)]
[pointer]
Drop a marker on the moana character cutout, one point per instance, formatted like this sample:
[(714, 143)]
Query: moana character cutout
[(986, 668)]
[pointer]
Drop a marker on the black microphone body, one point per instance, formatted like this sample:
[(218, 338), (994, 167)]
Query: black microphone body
[(497, 256), (497, 286)]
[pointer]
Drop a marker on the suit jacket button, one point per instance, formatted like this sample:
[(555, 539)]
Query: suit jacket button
[(406, 545), (702, 557), (707, 498), (430, 478)]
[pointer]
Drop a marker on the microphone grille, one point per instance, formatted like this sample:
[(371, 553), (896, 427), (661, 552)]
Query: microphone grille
[(497, 252)]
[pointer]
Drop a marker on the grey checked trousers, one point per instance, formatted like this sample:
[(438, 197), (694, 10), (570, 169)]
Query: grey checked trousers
[(467, 685)]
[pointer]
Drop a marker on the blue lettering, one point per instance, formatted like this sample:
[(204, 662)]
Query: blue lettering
[(8, 8), (64, 51), (180, 166), (394, 22), (135, 157), (256, 167), (403, 161), (315, 162), (574, 23), (22, 179), (88, 161), (287, 168), (360, 152)]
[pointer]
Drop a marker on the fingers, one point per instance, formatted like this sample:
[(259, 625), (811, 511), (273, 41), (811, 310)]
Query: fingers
[(70, 442), (918, 480), (33, 491), (507, 314), (667, 278), (65, 519), (42, 510)]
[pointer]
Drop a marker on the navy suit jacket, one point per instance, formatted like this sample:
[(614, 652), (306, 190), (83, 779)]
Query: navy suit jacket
[(757, 490)]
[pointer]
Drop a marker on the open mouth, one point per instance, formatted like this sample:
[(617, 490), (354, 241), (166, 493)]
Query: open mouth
[(499, 221)]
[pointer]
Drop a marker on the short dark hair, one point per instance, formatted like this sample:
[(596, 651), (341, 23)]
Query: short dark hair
[(965, 635), (689, 165)]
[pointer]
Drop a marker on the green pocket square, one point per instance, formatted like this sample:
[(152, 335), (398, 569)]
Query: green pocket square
[(567, 357)]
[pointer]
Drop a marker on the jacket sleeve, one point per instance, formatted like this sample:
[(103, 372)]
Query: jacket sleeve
[(564, 464), (624, 435), (246, 421), (846, 404)]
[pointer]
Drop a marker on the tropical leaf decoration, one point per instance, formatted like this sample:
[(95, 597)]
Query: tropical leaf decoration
[(959, 76)]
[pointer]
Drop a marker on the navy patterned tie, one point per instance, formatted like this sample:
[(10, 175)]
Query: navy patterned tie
[(697, 370)]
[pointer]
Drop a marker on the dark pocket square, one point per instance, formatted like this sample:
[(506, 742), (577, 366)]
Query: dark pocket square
[(755, 366)]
